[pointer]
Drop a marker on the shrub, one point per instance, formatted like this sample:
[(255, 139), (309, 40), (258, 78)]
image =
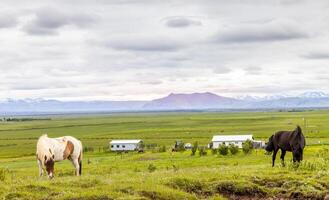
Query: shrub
[(162, 149), (247, 147), (151, 168), (202, 151), (88, 149), (233, 149), (3, 173), (180, 147), (223, 149), (194, 148), (214, 151), (149, 146)]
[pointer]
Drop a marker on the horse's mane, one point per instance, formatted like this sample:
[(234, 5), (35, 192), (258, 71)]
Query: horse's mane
[(298, 135), (298, 130)]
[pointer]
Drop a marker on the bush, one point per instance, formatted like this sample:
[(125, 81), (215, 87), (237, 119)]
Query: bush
[(151, 168), (162, 149), (214, 151), (180, 147), (223, 149), (3, 173), (149, 146), (88, 149), (247, 147), (194, 148), (233, 149), (202, 151)]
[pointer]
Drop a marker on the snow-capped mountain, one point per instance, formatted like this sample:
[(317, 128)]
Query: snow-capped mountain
[(261, 98), (314, 95)]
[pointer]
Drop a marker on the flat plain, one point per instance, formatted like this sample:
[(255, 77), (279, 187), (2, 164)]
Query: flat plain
[(166, 175)]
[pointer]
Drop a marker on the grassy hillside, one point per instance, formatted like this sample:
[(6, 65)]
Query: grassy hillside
[(154, 175)]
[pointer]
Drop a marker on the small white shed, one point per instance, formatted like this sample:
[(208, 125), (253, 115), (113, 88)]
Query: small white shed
[(126, 145), (237, 140)]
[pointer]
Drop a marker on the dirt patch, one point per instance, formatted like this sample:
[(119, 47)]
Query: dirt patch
[(94, 197), (268, 182), (152, 195), (230, 189), (300, 195), (240, 189)]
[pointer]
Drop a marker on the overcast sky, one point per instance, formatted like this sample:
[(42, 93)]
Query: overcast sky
[(145, 49)]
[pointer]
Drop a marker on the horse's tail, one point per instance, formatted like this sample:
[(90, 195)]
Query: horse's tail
[(80, 167), (270, 146), (80, 163)]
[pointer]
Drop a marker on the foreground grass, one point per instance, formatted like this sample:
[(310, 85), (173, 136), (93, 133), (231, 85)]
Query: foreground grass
[(174, 176)]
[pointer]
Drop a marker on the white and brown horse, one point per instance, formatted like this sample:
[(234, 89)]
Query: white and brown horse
[(51, 150)]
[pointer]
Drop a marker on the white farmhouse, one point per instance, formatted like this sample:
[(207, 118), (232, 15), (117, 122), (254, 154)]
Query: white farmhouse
[(237, 140), (126, 145)]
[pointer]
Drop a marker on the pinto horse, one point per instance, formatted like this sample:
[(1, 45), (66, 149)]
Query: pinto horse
[(51, 150), (293, 141)]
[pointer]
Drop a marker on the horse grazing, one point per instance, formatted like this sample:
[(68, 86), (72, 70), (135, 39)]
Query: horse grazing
[(293, 141), (51, 150)]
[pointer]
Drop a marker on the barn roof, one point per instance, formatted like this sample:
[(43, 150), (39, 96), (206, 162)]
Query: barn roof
[(125, 141), (230, 138)]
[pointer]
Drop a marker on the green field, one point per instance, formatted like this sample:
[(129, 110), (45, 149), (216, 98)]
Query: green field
[(167, 175)]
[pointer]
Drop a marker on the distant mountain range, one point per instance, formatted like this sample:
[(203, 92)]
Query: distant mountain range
[(194, 101)]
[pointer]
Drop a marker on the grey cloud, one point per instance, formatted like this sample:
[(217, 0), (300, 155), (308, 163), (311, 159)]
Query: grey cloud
[(222, 70), (7, 21), (263, 32), (203, 43), (253, 70), (33, 29), (151, 82), (181, 22), (144, 44), (316, 55), (47, 21)]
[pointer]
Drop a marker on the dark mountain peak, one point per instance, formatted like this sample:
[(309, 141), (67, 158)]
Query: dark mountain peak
[(191, 101)]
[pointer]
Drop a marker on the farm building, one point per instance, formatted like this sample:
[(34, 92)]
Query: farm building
[(258, 144), (126, 145), (237, 140)]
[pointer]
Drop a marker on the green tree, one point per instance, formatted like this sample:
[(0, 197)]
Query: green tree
[(162, 149), (233, 149), (247, 147), (194, 148), (223, 149), (214, 151), (202, 151)]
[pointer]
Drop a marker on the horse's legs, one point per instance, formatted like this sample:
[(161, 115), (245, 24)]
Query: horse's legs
[(274, 155), (40, 167), (76, 164), (283, 153)]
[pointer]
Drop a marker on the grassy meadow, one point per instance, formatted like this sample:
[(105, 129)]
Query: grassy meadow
[(166, 175)]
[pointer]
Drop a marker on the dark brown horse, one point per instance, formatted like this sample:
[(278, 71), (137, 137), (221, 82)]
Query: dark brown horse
[(293, 141)]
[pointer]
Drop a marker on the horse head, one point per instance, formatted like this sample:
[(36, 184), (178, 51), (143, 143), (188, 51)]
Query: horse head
[(49, 161), (270, 146), (297, 144)]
